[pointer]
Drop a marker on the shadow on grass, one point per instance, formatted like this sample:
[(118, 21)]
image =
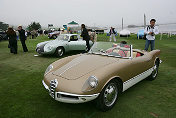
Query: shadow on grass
[(65, 55)]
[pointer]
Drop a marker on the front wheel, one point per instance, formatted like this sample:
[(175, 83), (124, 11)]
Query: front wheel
[(59, 52), (54, 37), (108, 96)]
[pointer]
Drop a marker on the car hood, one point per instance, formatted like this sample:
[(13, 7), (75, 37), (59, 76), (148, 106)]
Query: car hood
[(42, 43), (51, 43), (83, 65), (55, 42)]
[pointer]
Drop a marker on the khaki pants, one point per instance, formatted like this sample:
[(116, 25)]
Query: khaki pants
[(112, 36)]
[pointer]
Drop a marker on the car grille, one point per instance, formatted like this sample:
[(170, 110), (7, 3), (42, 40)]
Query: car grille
[(52, 88), (40, 49)]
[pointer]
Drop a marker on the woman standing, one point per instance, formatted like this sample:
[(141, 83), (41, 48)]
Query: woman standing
[(11, 34)]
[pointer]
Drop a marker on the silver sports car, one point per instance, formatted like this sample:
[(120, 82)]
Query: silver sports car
[(62, 44)]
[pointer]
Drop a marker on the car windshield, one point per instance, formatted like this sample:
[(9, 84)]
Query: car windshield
[(63, 37), (111, 49)]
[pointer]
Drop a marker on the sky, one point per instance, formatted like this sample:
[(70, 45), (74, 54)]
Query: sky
[(90, 12)]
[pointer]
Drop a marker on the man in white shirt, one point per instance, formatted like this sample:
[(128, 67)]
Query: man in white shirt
[(150, 32)]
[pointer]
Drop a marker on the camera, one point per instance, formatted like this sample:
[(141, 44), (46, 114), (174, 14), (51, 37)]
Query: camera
[(152, 34)]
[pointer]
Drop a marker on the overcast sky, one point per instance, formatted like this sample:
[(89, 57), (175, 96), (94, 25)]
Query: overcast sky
[(90, 12)]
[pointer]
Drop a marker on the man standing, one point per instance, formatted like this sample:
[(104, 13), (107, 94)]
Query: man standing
[(22, 38), (112, 34), (150, 32), (85, 36)]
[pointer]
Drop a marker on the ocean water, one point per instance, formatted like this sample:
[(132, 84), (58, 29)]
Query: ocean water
[(169, 28)]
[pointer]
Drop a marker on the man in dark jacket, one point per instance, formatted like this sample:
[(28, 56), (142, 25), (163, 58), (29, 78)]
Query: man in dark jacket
[(112, 34), (85, 36), (22, 38)]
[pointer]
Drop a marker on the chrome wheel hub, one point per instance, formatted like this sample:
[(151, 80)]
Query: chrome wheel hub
[(60, 52), (155, 71), (110, 94)]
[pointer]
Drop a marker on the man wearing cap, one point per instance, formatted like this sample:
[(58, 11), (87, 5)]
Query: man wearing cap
[(22, 38)]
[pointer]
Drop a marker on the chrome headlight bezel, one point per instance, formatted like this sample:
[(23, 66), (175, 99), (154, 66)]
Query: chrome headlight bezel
[(49, 68), (90, 84), (93, 81)]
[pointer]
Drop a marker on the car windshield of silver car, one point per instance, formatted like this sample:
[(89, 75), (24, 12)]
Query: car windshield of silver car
[(63, 37)]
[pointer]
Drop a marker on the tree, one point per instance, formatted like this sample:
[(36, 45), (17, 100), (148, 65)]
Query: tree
[(3, 26), (34, 26)]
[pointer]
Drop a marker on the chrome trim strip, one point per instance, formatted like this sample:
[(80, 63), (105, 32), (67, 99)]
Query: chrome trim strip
[(129, 83), (69, 68), (81, 98), (77, 95), (131, 48), (46, 87)]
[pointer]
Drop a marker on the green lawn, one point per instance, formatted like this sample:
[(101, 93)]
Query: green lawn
[(22, 94)]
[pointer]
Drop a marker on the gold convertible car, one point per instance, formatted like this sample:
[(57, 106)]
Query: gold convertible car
[(100, 75)]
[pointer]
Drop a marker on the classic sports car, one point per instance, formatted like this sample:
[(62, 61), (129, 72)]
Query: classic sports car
[(100, 75), (63, 43), (53, 35)]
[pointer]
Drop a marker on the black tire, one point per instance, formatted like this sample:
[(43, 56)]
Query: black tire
[(54, 36), (59, 52), (1, 38), (154, 72), (111, 90)]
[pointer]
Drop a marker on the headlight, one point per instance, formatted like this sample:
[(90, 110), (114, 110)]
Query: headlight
[(50, 47), (90, 84), (39, 44), (50, 67), (93, 81)]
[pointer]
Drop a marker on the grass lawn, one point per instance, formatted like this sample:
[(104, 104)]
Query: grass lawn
[(22, 94)]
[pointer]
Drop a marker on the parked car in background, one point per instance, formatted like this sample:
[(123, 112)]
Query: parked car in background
[(100, 75), (141, 34), (62, 44), (3, 35), (125, 33), (53, 35)]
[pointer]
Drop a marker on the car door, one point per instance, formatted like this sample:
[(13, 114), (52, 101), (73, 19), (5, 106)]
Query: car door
[(141, 64), (82, 44), (76, 44), (136, 66)]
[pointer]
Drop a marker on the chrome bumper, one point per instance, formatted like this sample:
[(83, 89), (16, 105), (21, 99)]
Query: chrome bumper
[(71, 98)]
